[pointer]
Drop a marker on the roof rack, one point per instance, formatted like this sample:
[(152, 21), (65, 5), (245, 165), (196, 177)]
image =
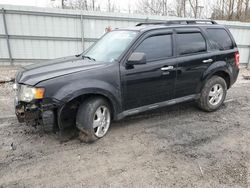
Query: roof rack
[(169, 22)]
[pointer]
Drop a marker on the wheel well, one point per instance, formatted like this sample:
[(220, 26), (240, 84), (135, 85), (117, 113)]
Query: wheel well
[(70, 109), (225, 76)]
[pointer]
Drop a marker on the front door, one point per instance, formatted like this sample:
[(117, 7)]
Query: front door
[(154, 81)]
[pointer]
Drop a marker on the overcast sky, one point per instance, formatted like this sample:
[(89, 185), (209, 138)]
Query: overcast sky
[(40, 3), (47, 3)]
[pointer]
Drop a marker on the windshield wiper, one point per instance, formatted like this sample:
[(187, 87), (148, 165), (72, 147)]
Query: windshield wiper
[(90, 58)]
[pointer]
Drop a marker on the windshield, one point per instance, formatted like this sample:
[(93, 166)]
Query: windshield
[(111, 46)]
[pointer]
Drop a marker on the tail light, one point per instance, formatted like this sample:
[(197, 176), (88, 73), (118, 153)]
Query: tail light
[(237, 58)]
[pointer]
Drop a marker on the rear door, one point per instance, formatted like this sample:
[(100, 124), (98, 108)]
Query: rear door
[(154, 81), (194, 57)]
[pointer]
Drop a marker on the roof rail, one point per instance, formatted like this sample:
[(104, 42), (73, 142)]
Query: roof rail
[(169, 22)]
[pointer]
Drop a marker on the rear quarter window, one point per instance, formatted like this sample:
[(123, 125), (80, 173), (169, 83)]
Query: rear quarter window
[(220, 38)]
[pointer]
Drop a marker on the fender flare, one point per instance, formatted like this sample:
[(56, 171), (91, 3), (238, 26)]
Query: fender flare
[(219, 66)]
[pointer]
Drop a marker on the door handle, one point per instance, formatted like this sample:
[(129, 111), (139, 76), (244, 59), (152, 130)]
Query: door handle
[(167, 68), (207, 61)]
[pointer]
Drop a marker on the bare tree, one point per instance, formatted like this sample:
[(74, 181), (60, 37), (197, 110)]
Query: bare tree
[(247, 11), (164, 7), (239, 9), (111, 6), (93, 4), (62, 4), (232, 10), (180, 8), (82, 4), (129, 6), (222, 9), (184, 7), (194, 6), (154, 7)]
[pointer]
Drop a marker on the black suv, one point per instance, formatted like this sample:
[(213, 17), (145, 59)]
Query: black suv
[(129, 71)]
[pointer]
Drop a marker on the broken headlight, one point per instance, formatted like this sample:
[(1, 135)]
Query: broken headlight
[(28, 93)]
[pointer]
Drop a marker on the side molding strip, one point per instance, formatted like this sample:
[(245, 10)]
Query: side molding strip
[(156, 105)]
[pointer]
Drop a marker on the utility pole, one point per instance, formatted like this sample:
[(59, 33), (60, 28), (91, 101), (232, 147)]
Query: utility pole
[(199, 11)]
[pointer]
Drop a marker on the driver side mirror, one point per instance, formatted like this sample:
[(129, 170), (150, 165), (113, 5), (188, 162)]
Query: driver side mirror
[(137, 58)]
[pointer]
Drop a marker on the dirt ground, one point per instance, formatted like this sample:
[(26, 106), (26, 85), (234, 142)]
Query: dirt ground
[(178, 146)]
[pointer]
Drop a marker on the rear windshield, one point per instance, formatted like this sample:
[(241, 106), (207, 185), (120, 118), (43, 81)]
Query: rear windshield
[(220, 38)]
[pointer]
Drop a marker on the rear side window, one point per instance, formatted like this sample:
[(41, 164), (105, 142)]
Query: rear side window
[(156, 47), (190, 43), (220, 39)]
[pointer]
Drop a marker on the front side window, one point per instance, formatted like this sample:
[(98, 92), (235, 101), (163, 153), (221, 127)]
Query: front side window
[(156, 47), (220, 38), (190, 43), (111, 46)]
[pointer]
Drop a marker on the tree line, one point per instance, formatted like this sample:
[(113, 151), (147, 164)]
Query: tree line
[(237, 10), (232, 10)]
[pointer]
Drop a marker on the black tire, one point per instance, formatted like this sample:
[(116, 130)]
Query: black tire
[(203, 101), (85, 118)]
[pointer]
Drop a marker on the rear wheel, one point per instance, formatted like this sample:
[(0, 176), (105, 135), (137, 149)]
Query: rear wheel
[(93, 119), (213, 94)]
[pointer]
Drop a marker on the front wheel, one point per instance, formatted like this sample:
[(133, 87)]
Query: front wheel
[(213, 94), (93, 119)]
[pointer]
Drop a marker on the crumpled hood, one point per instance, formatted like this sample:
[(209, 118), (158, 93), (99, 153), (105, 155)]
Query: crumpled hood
[(35, 73)]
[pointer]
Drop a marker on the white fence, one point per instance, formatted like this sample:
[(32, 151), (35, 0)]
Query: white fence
[(31, 34)]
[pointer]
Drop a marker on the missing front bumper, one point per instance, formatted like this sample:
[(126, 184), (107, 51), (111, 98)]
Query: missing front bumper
[(33, 115)]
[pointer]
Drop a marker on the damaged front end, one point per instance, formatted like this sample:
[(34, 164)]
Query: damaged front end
[(29, 113), (33, 109)]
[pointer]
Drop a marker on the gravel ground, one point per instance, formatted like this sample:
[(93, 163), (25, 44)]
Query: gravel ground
[(178, 146)]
